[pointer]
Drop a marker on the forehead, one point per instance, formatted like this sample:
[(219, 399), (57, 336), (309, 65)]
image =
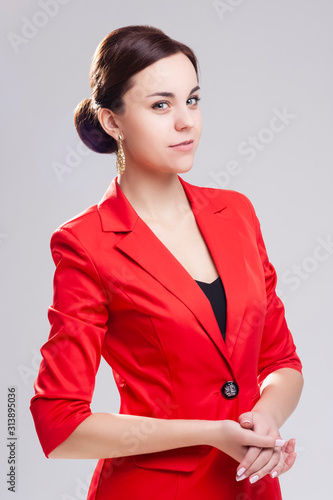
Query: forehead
[(172, 73)]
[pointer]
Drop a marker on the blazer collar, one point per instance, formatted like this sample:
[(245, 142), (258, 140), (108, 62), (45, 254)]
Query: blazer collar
[(118, 215), (219, 230)]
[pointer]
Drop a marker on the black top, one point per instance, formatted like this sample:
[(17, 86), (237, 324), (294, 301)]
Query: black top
[(215, 294)]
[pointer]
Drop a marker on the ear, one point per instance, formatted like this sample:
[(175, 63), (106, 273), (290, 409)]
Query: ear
[(107, 119)]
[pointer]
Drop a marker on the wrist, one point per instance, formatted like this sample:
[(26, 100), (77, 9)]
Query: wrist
[(194, 432), (223, 435), (268, 416), (211, 431)]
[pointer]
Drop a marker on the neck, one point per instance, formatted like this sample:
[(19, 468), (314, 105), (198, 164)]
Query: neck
[(155, 196)]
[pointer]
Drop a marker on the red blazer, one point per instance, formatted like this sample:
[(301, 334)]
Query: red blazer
[(120, 293)]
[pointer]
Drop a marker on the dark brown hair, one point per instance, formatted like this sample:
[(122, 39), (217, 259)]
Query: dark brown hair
[(122, 54)]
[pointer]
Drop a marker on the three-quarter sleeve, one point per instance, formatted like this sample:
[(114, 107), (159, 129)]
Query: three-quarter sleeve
[(71, 356), (277, 345)]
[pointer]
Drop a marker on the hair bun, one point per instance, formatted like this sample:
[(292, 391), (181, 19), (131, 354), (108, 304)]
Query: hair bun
[(90, 130)]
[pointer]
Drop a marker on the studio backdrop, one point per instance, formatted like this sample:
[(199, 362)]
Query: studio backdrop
[(266, 88)]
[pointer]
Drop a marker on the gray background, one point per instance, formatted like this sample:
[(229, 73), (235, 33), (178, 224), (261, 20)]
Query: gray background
[(257, 58)]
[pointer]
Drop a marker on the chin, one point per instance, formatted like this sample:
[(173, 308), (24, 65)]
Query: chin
[(179, 169), (184, 169), (185, 166)]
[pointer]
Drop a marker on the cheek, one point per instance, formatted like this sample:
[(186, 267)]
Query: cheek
[(147, 135), (198, 122)]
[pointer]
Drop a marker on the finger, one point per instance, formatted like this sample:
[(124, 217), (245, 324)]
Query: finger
[(289, 446), (260, 441), (265, 464), (251, 455), (262, 459), (286, 465), (287, 460), (246, 420)]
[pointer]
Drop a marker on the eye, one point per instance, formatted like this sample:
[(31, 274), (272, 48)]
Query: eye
[(160, 105), (195, 98)]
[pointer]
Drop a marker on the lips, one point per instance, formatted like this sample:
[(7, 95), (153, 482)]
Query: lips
[(182, 143)]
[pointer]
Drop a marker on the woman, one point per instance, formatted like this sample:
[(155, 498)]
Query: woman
[(171, 283)]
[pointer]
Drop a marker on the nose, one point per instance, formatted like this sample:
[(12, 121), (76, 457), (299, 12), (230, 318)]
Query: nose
[(184, 118)]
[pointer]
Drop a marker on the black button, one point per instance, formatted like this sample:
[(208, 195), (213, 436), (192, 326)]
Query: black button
[(230, 390)]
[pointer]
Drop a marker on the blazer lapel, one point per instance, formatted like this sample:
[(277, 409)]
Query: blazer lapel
[(221, 239), (142, 246), (219, 228)]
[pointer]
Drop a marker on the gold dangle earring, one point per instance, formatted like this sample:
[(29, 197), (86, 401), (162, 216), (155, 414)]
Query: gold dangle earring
[(120, 164)]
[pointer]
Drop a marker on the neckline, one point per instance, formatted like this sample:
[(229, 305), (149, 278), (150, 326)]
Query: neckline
[(205, 283), (190, 199)]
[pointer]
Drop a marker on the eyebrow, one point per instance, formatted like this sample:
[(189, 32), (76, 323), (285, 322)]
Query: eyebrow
[(170, 94)]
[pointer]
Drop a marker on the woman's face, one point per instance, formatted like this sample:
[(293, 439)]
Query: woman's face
[(162, 111)]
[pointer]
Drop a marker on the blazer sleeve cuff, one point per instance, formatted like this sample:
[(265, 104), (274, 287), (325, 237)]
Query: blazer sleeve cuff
[(56, 419)]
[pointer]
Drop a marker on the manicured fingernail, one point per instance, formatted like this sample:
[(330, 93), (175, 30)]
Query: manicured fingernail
[(254, 479), (240, 478), (279, 442), (241, 471), (274, 474)]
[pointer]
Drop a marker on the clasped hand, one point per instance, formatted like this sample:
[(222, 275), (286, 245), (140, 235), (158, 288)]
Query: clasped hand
[(257, 461)]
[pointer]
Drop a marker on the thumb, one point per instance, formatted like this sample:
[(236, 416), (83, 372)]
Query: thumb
[(262, 441), (246, 420), (289, 446)]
